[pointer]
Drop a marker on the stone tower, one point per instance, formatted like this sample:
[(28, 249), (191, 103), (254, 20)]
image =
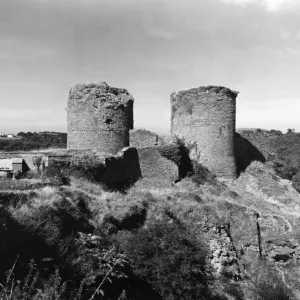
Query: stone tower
[(99, 117), (205, 117)]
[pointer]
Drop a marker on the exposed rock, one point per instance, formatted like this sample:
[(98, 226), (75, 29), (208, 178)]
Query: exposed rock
[(223, 255)]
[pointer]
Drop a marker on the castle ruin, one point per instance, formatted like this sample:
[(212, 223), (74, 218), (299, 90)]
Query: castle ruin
[(205, 118), (99, 117)]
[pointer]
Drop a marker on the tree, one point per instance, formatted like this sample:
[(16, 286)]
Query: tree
[(37, 161), (289, 130)]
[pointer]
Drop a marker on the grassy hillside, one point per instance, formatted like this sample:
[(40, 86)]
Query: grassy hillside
[(274, 146), (200, 239), (33, 141), (287, 157)]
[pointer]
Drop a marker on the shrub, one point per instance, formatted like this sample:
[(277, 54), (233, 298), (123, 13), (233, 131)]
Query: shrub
[(17, 174), (104, 268), (57, 232), (201, 174), (296, 182), (87, 165), (37, 162), (32, 175), (276, 132), (132, 219), (54, 176), (168, 257), (20, 290), (285, 169), (268, 285), (34, 287), (272, 288)]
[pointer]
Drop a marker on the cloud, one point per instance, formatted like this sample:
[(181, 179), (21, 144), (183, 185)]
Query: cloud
[(273, 114), (13, 48), (285, 35), (161, 33), (271, 5), (150, 47)]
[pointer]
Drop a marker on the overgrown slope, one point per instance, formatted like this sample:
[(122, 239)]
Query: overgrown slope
[(199, 239)]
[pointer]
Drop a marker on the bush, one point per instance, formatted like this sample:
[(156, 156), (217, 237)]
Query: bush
[(37, 162), (285, 169), (201, 174), (34, 287), (87, 165), (32, 175), (267, 284), (54, 176), (168, 257), (272, 288), (131, 220), (276, 132), (17, 174), (57, 232), (296, 182)]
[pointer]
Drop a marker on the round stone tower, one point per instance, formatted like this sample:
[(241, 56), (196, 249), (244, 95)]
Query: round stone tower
[(205, 118), (99, 117)]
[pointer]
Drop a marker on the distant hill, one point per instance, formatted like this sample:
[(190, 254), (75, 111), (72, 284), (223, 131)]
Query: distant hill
[(283, 150), (25, 141)]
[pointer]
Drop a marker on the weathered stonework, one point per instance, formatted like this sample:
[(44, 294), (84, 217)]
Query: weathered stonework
[(118, 170), (156, 166), (205, 117), (142, 138), (99, 117)]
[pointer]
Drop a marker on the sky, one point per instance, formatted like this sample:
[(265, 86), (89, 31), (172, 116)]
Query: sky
[(151, 48)]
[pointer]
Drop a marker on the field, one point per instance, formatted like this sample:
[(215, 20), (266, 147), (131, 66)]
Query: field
[(19, 185), (9, 139)]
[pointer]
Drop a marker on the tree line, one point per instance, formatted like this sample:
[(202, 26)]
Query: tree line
[(35, 141)]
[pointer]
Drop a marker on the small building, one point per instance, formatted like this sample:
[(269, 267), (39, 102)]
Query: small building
[(18, 164), (11, 164), (6, 164), (10, 135), (5, 168)]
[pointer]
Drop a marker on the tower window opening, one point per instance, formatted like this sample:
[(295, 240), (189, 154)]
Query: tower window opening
[(108, 121)]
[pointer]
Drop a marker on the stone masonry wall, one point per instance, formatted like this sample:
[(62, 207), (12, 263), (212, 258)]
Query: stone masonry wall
[(123, 167), (157, 167), (118, 170), (205, 117), (99, 117), (141, 138), (27, 157)]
